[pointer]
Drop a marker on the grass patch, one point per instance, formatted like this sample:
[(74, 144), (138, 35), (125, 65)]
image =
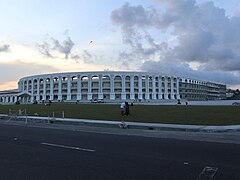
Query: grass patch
[(194, 115)]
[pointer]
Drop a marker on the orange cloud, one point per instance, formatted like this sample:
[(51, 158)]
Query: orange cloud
[(9, 85)]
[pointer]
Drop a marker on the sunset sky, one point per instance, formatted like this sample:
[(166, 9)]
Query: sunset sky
[(187, 38)]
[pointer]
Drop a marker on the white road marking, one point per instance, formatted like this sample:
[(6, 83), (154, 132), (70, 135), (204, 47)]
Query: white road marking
[(207, 173), (68, 147)]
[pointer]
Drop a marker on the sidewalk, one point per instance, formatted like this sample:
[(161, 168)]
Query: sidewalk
[(131, 125)]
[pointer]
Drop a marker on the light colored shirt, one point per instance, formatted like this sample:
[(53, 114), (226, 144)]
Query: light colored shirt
[(122, 106)]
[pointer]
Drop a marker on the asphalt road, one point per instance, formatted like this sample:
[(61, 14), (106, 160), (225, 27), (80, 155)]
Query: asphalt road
[(42, 153)]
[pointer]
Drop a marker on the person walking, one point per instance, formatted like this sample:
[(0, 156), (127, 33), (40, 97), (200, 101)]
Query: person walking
[(122, 107), (127, 109)]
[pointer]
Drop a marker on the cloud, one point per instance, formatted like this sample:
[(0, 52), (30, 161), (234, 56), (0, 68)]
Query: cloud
[(193, 33), (184, 70), (54, 48), (4, 48), (65, 47), (85, 56), (44, 49), (19, 69)]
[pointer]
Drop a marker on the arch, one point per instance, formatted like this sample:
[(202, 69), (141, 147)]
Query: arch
[(47, 80), (117, 82), (64, 78), (95, 86), (117, 87), (84, 78), (117, 78), (150, 78), (135, 78), (95, 78), (106, 78), (55, 79), (106, 86), (127, 78), (74, 78)]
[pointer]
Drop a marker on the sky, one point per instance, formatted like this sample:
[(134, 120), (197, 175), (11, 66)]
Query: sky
[(197, 39)]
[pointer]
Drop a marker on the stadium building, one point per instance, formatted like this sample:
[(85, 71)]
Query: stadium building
[(111, 86)]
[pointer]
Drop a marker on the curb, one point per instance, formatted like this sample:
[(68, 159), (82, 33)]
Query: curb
[(131, 125)]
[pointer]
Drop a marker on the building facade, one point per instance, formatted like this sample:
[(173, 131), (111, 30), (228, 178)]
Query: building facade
[(111, 86)]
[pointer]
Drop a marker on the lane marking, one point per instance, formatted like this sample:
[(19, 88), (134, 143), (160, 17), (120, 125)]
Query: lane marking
[(68, 147), (207, 173)]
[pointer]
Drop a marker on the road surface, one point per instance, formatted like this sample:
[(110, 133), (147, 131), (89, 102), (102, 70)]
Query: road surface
[(41, 153)]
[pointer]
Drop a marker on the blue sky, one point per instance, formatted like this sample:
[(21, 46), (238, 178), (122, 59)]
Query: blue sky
[(48, 36)]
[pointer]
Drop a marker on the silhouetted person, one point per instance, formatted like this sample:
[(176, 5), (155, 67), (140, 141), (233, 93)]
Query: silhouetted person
[(126, 109)]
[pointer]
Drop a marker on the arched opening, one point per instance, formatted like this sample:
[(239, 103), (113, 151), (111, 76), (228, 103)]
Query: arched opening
[(169, 96), (106, 87), (55, 86), (136, 84), (74, 80), (47, 86), (95, 87), (118, 87), (55, 97), (35, 86), (64, 88), (127, 86), (84, 85)]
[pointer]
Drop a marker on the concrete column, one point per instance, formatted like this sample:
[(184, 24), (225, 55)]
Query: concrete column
[(59, 88), (89, 88), (11, 99), (32, 97), (51, 88), (172, 88), (44, 89), (154, 87), (15, 99), (166, 88), (69, 81), (140, 87), (112, 94), (79, 87), (100, 93), (123, 94), (178, 95), (27, 86), (38, 90), (147, 87), (132, 97), (159, 87)]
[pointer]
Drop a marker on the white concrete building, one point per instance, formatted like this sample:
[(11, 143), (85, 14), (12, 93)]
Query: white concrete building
[(107, 86)]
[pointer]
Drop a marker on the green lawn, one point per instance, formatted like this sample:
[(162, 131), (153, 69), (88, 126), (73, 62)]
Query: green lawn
[(195, 115)]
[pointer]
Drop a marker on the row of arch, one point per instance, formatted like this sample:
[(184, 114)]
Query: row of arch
[(93, 77), (112, 86)]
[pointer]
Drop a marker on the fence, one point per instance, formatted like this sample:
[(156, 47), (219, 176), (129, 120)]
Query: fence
[(16, 114), (22, 114)]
